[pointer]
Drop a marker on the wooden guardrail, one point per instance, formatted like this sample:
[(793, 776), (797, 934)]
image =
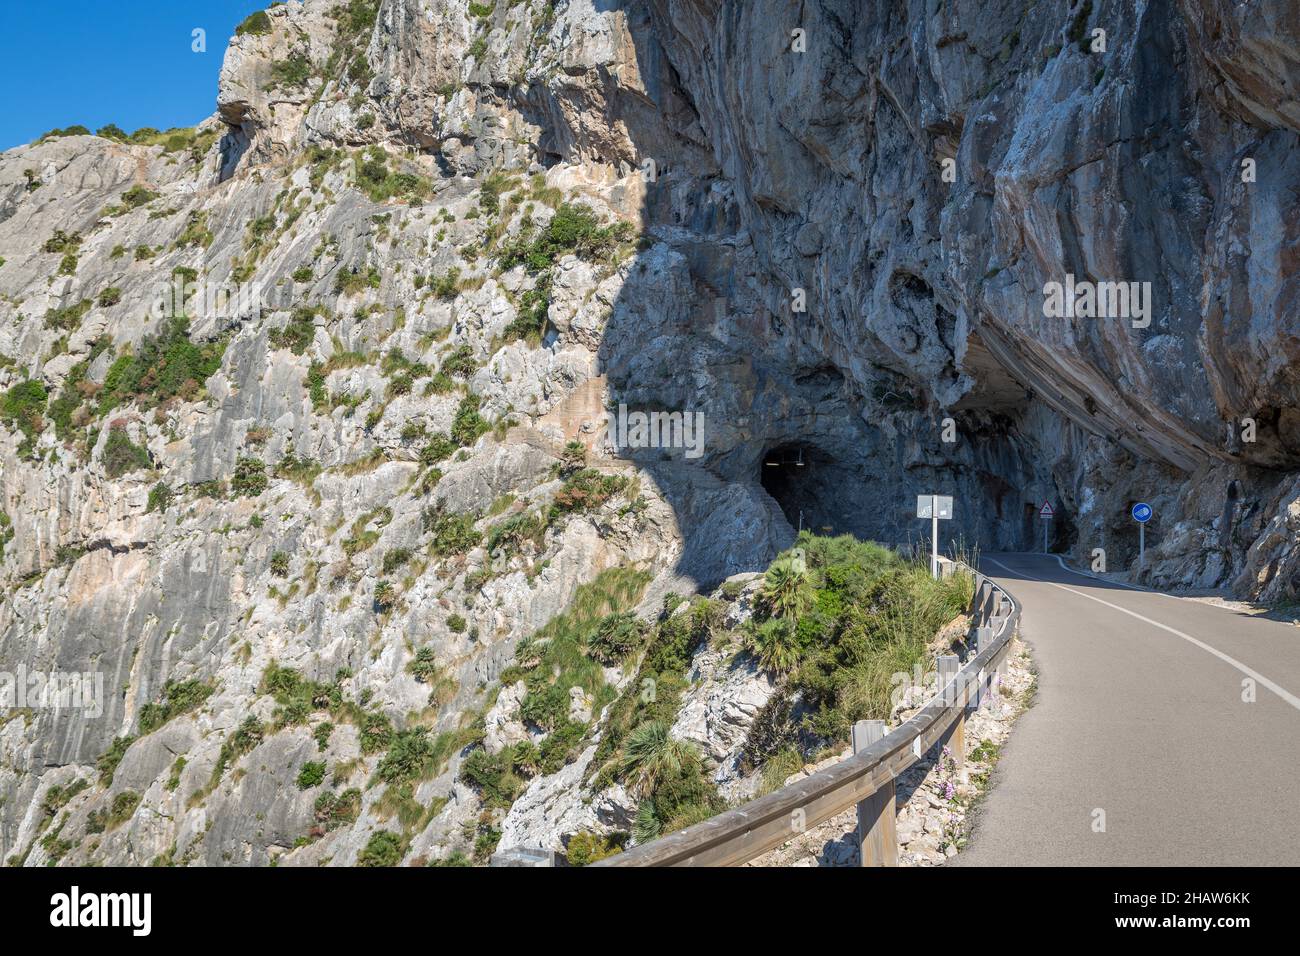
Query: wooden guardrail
[(865, 779)]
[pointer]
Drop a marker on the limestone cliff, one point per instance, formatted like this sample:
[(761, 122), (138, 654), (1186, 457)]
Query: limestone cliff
[(423, 245)]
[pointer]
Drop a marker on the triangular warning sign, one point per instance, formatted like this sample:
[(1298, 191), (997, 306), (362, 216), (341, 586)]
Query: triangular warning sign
[(1046, 511)]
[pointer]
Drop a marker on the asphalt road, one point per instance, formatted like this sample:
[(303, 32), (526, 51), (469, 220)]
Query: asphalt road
[(1139, 714)]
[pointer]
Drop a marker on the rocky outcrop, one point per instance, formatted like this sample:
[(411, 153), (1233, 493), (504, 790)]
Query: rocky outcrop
[(838, 224)]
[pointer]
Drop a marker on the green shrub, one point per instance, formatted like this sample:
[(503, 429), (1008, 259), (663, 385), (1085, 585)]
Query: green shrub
[(295, 71), (352, 280), (160, 497), (493, 776), (299, 331), (322, 734), (456, 624), (121, 455), (614, 638), (775, 644), (385, 595), (585, 847), (196, 232), (255, 24), (555, 659), (453, 533), (58, 797), (395, 558), (439, 446), (249, 479), (468, 425), (108, 761), (110, 296), (410, 756), (297, 695), (377, 181), (62, 242), (446, 285), (376, 733), (586, 491), (245, 737), (118, 812), (383, 849), (22, 407), (311, 775), (177, 698), (573, 229), (138, 196), (425, 667), (337, 810), (530, 320), (6, 532), (280, 564), (846, 618), (68, 317), (164, 366), (509, 536), (460, 363), (359, 72), (785, 592)]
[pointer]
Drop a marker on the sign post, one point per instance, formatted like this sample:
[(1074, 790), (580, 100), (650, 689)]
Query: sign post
[(1142, 513), (1046, 513), (934, 507)]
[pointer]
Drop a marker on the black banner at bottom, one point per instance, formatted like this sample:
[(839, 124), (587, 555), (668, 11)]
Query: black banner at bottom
[(167, 905)]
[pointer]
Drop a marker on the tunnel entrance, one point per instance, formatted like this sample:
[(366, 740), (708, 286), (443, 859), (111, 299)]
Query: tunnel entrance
[(803, 479)]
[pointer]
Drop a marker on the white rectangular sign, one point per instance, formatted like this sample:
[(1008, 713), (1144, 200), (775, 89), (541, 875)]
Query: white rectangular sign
[(923, 506)]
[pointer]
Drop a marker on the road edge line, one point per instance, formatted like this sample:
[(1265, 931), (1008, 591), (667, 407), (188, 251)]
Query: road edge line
[(1254, 675)]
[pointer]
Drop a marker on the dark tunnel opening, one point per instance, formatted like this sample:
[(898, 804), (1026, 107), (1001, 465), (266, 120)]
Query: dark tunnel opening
[(802, 478)]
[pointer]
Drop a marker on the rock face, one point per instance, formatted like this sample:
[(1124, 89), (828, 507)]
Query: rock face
[(847, 216)]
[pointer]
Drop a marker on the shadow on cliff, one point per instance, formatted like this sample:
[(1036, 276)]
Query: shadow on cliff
[(788, 443)]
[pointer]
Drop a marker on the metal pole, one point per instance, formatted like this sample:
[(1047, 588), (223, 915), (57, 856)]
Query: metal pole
[(1046, 522), (934, 537), (1142, 546)]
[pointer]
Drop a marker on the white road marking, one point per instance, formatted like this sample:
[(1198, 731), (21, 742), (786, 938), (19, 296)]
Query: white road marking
[(1259, 678), (1098, 577)]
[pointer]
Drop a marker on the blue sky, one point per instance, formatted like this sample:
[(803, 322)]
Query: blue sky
[(95, 62)]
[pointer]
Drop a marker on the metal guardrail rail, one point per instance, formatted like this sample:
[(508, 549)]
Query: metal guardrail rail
[(865, 779)]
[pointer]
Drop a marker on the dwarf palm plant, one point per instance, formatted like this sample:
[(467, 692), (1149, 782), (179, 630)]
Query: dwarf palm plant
[(651, 756), (785, 589), (775, 645)]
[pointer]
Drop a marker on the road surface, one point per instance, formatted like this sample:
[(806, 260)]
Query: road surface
[(1139, 714)]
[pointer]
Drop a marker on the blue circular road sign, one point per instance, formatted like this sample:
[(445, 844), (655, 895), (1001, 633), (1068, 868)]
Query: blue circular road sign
[(1142, 512)]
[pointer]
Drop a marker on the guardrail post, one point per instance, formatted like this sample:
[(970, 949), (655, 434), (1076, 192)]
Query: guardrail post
[(949, 668), (877, 823), (984, 693)]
